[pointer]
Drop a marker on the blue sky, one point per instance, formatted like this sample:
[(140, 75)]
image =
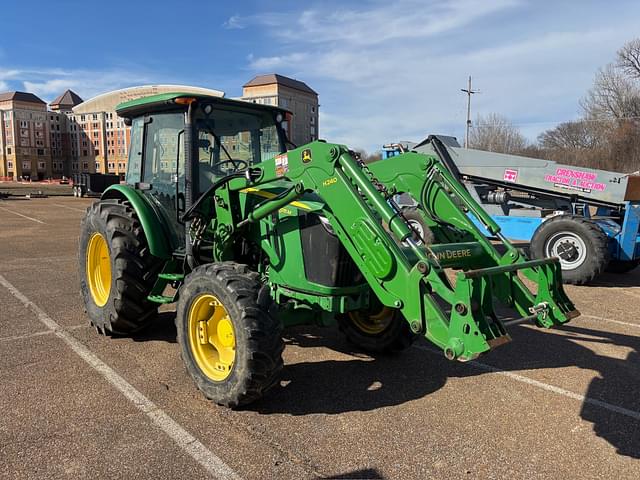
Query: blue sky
[(385, 70)]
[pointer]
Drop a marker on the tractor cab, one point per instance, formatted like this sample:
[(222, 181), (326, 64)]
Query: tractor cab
[(224, 137)]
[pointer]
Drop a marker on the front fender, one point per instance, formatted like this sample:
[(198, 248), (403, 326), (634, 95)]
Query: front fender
[(159, 244)]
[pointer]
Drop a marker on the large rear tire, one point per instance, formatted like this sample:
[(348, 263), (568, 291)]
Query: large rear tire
[(230, 345), (579, 243), (117, 271)]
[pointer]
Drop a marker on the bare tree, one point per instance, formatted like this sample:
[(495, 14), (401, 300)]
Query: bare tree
[(495, 133), (629, 58), (367, 157), (581, 134), (613, 95), (583, 143)]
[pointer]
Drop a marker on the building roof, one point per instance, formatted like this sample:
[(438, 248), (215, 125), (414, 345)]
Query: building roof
[(20, 97), (281, 80), (68, 98), (108, 101)]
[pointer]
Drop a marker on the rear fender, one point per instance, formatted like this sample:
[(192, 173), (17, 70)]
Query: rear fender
[(157, 239)]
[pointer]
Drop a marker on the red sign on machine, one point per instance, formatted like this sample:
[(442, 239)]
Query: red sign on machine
[(510, 175)]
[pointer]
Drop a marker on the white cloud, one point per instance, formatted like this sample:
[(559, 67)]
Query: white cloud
[(234, 22), (394, 71), (271, 63), (49, 83)]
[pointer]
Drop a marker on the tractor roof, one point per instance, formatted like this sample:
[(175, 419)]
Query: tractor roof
[(161, 101)]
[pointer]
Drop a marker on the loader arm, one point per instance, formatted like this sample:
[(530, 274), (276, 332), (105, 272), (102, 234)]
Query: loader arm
[(459, 317)]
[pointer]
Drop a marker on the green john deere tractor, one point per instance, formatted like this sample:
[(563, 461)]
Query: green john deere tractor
[(247, 237)]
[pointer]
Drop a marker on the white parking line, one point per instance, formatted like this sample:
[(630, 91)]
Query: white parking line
[(38, 334), (71, 208), (187, 442), (610, 320), (544, 386), (21, 215)]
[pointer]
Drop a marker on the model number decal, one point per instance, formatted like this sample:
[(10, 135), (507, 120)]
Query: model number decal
[(330, 181)]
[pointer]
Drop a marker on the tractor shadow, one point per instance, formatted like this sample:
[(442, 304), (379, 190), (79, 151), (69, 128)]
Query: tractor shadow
[(162, 329), (359, 383), (365, 383)]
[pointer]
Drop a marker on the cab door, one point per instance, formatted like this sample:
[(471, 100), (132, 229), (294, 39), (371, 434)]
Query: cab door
[(163, 167)]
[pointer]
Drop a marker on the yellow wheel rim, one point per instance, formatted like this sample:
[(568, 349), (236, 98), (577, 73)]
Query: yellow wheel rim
[(372, 323), (99, 269), (212, 339)]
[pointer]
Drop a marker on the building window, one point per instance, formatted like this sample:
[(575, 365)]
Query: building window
[(24, 133), (26, 165), (10, 165), (41, 165), (8, 150), (24, 124), (85, 165), (84, 153), (97, 152), (41, 151), (97, 165)]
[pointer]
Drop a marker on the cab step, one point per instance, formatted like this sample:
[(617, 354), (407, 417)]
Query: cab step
[(161, 299), (172, 277)]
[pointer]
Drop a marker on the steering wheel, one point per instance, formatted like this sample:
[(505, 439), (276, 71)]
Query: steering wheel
[(237, 165)]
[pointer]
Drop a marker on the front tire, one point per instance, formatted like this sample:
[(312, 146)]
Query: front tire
[(580, 244), (230, 345), (116, 268)]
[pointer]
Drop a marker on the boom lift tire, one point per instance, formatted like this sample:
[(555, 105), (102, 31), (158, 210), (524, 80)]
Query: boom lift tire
[(416, 219), (380, 329), (230, 344), (580, 244), (117, 270)]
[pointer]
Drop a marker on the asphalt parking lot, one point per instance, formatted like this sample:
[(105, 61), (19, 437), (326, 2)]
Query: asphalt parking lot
[(551, 404)]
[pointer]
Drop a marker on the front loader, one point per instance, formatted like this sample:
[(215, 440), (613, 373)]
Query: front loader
[(246, 237)]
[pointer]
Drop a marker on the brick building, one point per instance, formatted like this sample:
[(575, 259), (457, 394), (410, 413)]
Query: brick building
[(290, 94), (26, 145), (76, 136)]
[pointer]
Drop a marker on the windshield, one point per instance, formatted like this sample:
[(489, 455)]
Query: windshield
[(237, 137)]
